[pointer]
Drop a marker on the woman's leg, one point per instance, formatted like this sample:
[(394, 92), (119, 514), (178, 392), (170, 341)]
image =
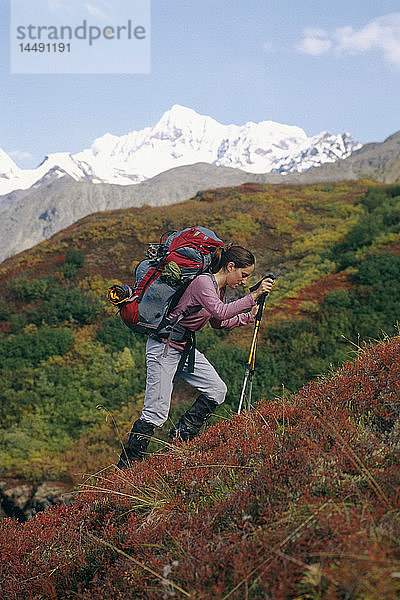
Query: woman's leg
[(136, 446), (206, 380), (159, 383)]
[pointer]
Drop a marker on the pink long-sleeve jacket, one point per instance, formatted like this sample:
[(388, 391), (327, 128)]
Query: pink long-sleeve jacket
[(202, 292)]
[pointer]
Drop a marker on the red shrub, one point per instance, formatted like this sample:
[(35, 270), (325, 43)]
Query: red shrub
[(298, 499)]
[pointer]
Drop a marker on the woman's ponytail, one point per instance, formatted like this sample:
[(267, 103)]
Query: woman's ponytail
[(216, 260), (241, 257)]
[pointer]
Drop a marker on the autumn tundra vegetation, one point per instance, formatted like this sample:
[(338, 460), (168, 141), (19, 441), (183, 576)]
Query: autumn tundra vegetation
[(297, 499)]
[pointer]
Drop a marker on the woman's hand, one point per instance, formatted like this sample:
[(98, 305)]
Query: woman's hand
[(264, 288), (254, 310)]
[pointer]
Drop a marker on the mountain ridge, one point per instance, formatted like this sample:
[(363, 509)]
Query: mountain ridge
[(182, 137), (64, 200)]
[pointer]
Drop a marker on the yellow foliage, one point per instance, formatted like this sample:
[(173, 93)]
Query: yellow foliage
[(117, 251), (240, 229), (59, 361), (84, 344), (98, 286), (316, 241), (307, 306), (125, 362), (30, 328)]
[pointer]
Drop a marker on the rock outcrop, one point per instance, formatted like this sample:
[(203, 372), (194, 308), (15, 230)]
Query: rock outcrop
[(22, 500)]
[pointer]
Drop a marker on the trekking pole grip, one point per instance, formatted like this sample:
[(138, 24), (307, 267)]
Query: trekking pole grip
[(257, 285), (261, 299)]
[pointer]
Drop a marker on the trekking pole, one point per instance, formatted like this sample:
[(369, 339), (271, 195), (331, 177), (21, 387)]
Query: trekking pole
[(250, 366), (251, 361)]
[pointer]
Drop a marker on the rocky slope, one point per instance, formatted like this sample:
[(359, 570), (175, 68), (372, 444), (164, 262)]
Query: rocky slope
[(21, 499), (379, 161), (29, 217)]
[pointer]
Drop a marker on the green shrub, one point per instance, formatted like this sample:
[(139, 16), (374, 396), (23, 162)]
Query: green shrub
[(6, 310), (379, 268), (74, 260), (66, 304), (373, 198), (382, 217), (338, 299), (118, 336), (33, 347), (23, 288)]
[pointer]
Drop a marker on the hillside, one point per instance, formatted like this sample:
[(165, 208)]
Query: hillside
[(334, 247), (297, 499), (31, 216)]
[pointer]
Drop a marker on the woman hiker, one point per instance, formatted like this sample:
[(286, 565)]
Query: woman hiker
[(229, 267)]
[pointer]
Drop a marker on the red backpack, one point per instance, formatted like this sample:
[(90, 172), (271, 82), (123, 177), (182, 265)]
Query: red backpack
[(161, 279)]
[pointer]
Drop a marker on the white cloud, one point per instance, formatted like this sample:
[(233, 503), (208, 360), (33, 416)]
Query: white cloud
[(382, 34), (315, 42), (96, 11), (100, 9)]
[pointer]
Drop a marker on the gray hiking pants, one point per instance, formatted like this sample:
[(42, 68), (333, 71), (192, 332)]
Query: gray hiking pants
[(160, 375)]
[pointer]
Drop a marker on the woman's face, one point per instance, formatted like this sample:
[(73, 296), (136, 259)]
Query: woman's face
[(237, 275)]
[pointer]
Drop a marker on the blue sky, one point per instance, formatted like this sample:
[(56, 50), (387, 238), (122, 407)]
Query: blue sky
[(320, 64)]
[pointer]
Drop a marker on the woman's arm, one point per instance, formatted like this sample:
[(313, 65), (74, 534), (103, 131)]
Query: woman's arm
[(242, 319), (204, 293)]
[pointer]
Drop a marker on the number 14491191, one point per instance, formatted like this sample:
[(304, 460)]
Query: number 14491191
[(42, 47)]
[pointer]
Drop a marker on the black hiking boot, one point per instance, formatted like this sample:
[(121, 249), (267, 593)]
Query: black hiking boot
[(136, 447), (190, 423)]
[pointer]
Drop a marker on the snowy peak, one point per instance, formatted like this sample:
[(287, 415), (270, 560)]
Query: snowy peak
[(184, 137), (53, 166), (181, 115), (322, 148), (185, 120), (64, 162), (8, 168)]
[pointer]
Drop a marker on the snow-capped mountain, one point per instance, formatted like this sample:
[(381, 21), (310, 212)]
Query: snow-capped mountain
[(183, 137), (8, 168)]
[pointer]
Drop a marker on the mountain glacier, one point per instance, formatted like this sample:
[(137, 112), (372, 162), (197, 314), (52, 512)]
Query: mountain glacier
[(183, 137)]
